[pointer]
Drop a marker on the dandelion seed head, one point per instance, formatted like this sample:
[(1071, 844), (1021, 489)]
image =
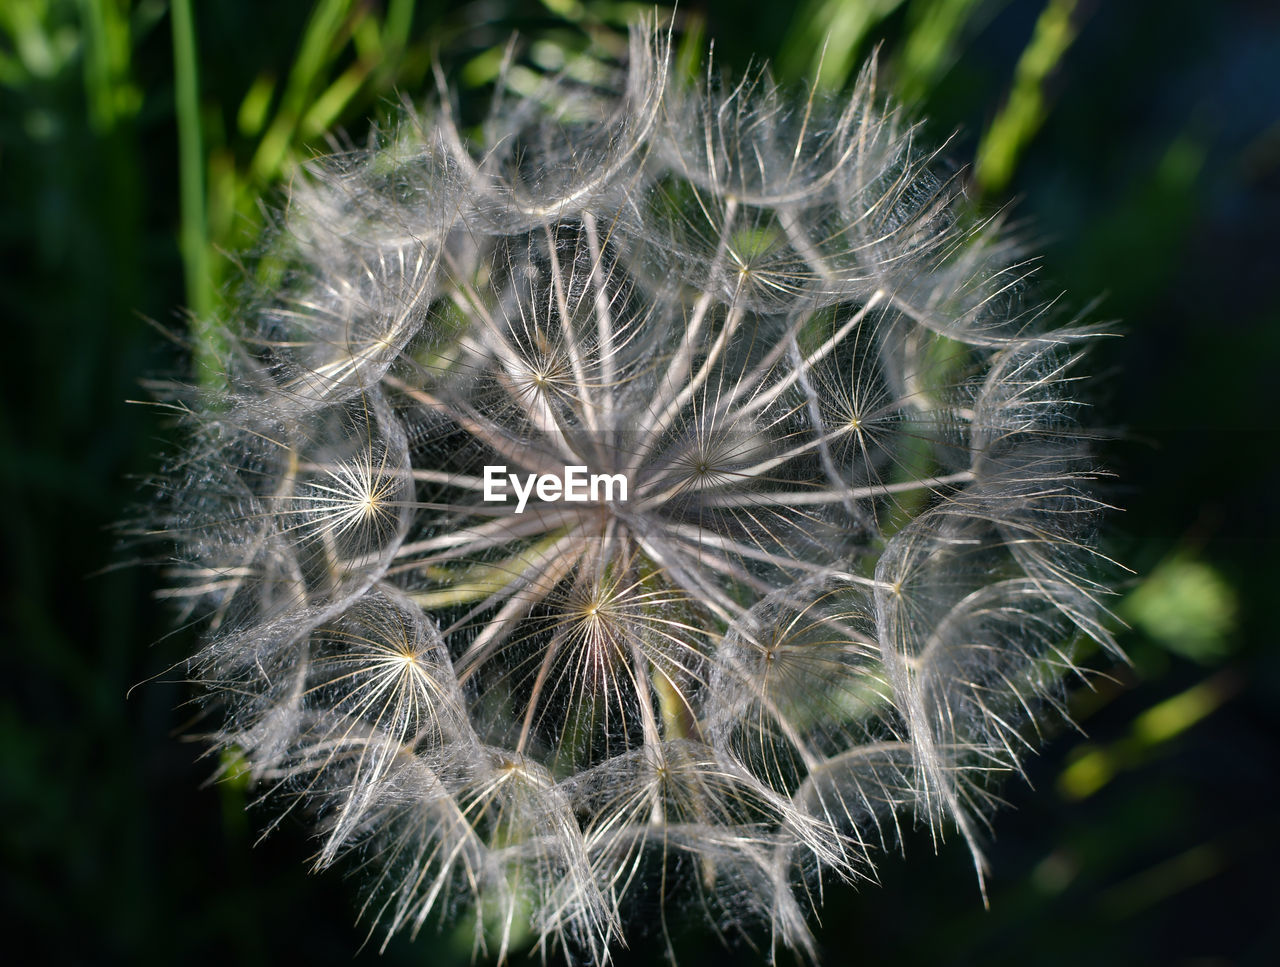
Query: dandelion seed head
[(826, 559)]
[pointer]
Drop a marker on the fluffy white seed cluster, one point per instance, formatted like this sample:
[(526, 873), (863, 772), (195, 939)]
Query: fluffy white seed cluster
[(838, 566)]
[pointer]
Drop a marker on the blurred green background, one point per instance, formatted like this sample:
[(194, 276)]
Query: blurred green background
[(1140, 141)]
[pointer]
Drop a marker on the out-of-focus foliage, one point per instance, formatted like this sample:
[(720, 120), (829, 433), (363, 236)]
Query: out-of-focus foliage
[(136, 141), (1187, 606)]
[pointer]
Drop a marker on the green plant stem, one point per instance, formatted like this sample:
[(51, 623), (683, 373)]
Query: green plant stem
[(1025, 111), (194, 233)]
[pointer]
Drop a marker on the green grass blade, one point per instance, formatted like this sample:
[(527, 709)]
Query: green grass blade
[(934, 29), (1024, 112), (824, 43), (194, 231)]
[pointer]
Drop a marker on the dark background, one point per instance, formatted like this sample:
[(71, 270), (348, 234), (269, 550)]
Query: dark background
[(1152, 183)]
